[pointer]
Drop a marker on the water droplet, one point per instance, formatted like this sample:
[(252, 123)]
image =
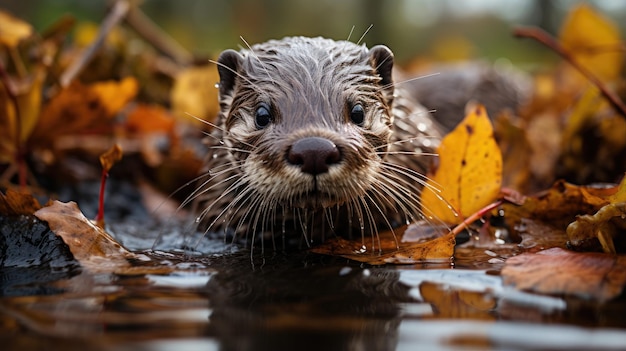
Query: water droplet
[(214, 156), (198, 219), (221, 142), (217, 85), (422, 127), (345, 271)]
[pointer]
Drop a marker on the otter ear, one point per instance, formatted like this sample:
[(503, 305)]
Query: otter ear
[(228, 67), (381, 59)]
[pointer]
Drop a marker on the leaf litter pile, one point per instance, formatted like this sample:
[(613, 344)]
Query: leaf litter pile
[(536, 195)]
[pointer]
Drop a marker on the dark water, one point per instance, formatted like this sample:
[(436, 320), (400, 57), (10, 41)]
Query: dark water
[(225, 299)]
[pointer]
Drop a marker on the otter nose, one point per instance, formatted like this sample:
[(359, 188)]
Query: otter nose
[(313, 154)]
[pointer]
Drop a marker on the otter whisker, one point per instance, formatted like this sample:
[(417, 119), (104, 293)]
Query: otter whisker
[(410, 80), (364, 34)]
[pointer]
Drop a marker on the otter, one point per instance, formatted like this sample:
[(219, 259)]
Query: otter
[(313, 137)]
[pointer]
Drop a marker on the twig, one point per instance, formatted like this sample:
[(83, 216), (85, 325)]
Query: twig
[(119, 11), (162, 41), (19, 149), (547, 40)]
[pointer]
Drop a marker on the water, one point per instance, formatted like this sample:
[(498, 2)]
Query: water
[(220, 298)]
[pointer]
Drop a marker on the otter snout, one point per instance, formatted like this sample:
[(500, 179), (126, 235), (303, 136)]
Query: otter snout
[(314, 155)]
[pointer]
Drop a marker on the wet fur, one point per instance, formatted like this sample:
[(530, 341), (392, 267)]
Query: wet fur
[(311, 83)]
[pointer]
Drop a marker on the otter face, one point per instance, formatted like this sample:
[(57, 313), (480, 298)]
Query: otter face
[(307, 120)]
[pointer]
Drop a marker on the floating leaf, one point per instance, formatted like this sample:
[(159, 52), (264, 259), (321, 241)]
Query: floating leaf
[(470, 170), (439, 250), (561, 272)]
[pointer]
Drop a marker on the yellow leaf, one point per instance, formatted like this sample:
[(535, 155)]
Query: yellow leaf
[(115, 95), (13, 30), (593, 41), (469, 173), (194, 93), (620, 195)]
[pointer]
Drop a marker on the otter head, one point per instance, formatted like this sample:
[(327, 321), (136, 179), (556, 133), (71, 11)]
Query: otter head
[(307, 120)]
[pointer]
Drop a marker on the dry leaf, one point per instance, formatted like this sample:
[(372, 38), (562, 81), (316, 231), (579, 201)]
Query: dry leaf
[(593, 41), (390, 250), (145, 119), (470, 170), (13, 30), (15, 203), (561, 272), (194, 93), (604, 227), (114, 95), (111, 157)]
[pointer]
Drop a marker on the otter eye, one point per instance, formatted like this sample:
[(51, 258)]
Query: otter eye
[(357, 115), (263, 116)]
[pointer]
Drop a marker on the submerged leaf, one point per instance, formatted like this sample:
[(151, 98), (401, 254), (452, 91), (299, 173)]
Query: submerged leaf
[(470, 170), (561, 272)]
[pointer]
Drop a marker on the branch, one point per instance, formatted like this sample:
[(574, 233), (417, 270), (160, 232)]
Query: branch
[(119, 11), (547, 40)]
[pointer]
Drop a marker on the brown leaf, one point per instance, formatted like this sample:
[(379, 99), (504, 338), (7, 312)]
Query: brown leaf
[(390, 250), (561, 272), (110, 157), (15, 203), (94, 248)]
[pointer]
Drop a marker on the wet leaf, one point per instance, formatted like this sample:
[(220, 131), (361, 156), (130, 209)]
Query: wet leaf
[(560, 272), (470, 170), (387, 249), (16, 203), (94, 248), (13, 30)]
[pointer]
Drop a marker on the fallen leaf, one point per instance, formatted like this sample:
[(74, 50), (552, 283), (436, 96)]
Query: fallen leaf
[(195, 94), (560, 272), (13, 30), (114, 95), (14, 203), (144, 119), (469, 173), (594, 42), (94, 248), (605, 227), (439, 250)]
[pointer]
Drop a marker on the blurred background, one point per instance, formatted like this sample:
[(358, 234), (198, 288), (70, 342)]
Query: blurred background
[(439, 30)]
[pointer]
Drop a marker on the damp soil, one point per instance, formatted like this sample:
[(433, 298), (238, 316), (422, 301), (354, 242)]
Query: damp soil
[(222, 297)]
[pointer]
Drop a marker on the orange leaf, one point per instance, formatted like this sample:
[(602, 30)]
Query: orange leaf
[(16, 203), (469, 173), (438, 250), (148, 119), (557, 271)]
